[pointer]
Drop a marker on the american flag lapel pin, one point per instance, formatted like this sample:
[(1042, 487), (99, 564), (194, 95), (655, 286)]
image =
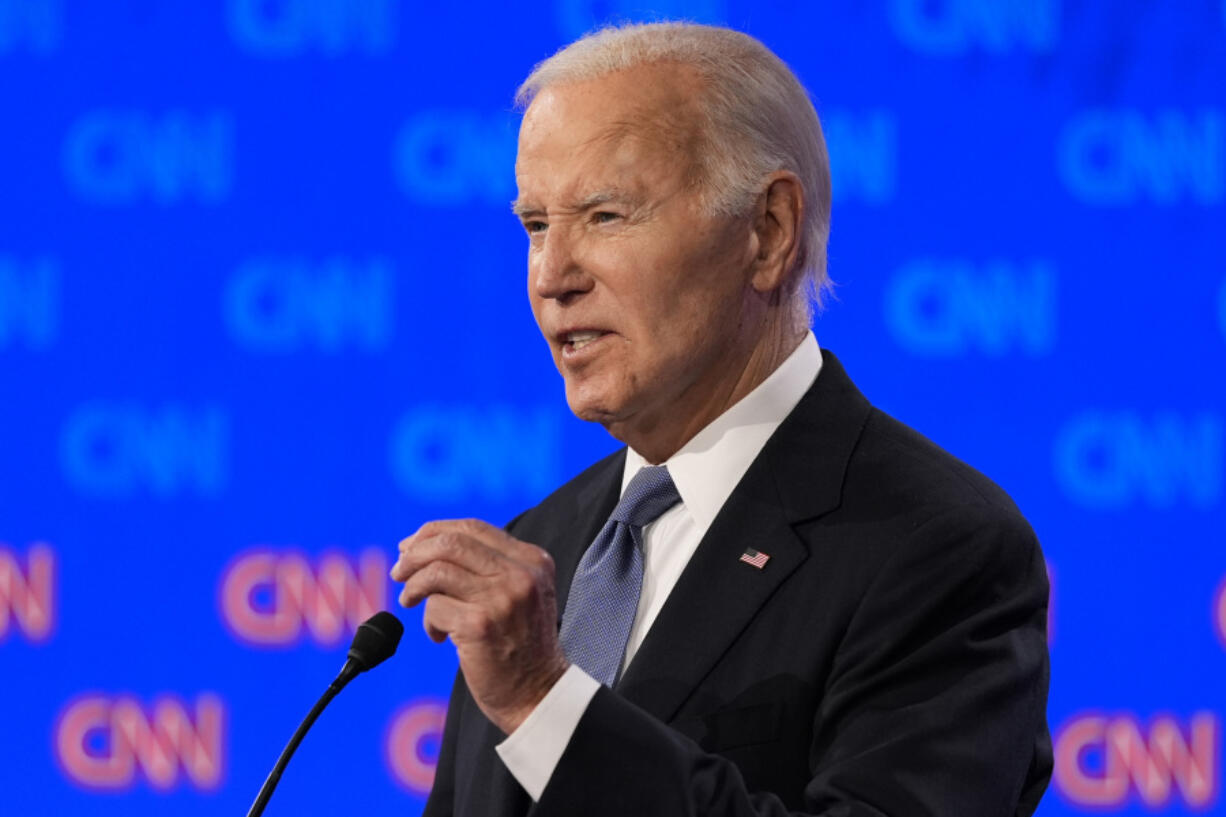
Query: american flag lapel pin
[(755, 558)]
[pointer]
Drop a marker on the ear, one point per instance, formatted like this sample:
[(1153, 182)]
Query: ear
[(777, 221)]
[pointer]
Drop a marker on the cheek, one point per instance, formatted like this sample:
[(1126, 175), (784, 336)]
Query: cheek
[(678, 331), (535, 302), (701, 297)]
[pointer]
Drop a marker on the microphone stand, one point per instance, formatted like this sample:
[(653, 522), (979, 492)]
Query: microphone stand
[(374, 642), (347, 673)]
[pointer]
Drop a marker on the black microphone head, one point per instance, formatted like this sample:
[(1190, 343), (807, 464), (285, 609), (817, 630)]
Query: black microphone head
[(376, 640)]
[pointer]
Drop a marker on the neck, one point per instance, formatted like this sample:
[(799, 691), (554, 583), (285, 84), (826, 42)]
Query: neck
[(735, 375)]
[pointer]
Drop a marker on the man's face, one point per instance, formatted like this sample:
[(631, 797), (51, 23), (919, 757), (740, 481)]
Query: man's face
[(639, 293)]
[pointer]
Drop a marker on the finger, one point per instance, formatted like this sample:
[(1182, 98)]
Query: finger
[(406, 543), (489, 535), (447, 543), (497, 540), (458, 550), (442, 578), (426, 529), (445, 616), (429, 528)]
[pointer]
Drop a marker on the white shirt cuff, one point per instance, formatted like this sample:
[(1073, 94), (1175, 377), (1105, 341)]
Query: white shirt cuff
[(532, 751)]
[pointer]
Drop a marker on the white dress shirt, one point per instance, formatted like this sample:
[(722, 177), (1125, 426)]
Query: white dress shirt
[(705, 471)]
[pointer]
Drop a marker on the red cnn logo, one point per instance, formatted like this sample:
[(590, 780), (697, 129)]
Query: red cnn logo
[(28, 597), (1219, 613), (106, 742), (1107, 761), (413, 742), (268, 596)]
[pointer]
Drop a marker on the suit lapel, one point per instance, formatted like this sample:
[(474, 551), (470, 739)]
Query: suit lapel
[(797, 477), (715, 598), (595, 502)]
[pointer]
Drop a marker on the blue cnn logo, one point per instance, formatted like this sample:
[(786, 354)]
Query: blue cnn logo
[(863, 155), (115, 451), (949, 308), (35, 25), (122, 157), (1221, 309), (1119, 157), (457, 157), (946, 28), (578, 17), (29, 303), (277, 305), (456, 453), (291, 28), (1112, 460)]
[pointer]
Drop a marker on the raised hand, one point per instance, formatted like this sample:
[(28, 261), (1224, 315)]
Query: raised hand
[(494, 596)]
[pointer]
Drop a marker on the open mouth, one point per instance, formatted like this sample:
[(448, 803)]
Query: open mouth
[(575, 342)]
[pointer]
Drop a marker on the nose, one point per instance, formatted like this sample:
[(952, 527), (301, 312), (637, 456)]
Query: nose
[(554, 268)]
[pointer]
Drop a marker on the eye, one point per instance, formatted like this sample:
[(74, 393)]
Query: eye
[(605, 217), (533, 227)]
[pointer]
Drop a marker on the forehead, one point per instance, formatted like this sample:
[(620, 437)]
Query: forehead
[(616, 128)]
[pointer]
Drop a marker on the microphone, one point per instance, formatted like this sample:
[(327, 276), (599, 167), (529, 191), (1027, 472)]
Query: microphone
[(374, 642)]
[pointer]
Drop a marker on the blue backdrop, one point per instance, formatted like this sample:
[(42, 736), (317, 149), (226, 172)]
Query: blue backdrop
[(263, 312)]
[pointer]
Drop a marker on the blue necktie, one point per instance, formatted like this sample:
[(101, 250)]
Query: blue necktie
[(604, 594)]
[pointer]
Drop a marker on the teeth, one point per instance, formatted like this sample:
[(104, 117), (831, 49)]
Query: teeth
[(580, 339)]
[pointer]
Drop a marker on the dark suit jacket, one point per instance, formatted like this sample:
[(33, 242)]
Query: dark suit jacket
[(890, 659)]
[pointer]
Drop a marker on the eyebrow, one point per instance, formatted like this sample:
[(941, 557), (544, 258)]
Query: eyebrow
[(524, 210)]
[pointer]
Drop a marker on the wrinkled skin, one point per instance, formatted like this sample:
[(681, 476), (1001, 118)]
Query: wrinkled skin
[(685, 313)]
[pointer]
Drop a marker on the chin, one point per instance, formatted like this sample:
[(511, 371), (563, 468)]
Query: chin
[(592, 405), (591, 412)]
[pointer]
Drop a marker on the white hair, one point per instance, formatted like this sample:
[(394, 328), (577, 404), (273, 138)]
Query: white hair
[(758, 120)]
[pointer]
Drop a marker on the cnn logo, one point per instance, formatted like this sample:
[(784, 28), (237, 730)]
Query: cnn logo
[(1110, 761), (111, 742), (27, 594), (412, 745), (1219, 612), (275, 597)]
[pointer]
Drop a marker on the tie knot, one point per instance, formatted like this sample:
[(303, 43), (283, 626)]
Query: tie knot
[(650, 493)]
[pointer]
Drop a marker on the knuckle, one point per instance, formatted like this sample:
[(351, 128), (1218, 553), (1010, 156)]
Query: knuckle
[(434, 573), (448, 543), (519, 584), (482, 625), (501, 605), (471, 525), (544, 562), (435, 528)]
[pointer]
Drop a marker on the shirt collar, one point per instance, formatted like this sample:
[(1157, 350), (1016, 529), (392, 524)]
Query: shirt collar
[(709, 466)]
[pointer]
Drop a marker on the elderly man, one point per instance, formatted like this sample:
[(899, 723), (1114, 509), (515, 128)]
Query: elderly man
[(775, 599)]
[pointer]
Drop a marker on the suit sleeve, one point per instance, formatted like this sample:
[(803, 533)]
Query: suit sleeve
[(935, 704), (441, 801)]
